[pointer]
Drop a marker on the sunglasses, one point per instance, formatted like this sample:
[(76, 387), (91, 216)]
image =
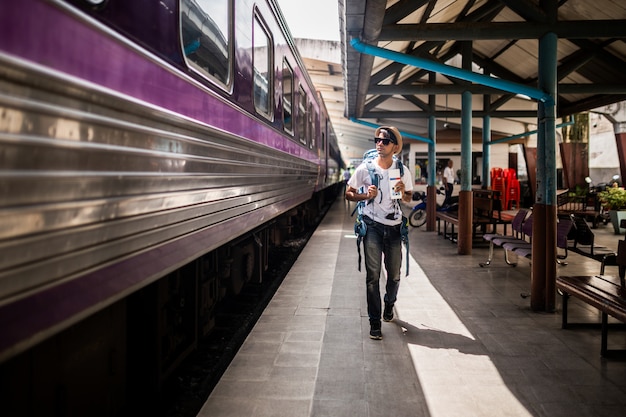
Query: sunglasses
[(385, 142)]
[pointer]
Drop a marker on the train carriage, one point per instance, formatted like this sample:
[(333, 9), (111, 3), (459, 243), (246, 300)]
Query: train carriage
[(139, 138)]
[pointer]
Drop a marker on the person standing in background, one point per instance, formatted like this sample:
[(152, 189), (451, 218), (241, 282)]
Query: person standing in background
[(448, 180), (346, 178)]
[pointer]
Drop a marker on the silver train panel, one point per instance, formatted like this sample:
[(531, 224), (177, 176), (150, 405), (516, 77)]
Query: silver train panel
[(89, 178)]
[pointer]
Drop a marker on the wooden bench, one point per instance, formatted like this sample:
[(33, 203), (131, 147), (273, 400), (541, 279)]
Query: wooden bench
[(487, 211), (604, 292), (447, 217), (581, 240), (587, 207)]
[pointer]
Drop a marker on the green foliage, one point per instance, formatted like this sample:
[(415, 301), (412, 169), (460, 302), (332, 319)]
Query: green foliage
[(613, 198), (579, 191)]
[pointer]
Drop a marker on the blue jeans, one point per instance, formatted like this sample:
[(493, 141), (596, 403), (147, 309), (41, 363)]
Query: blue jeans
[(381, 240)]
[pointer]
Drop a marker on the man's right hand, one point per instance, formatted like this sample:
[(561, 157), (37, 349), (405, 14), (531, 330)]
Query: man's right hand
[(372, 191)]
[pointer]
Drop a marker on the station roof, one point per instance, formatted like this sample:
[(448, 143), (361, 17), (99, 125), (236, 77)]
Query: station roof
[(500, 38)]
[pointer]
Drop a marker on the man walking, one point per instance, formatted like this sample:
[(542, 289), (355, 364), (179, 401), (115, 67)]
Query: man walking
[(383, 217)]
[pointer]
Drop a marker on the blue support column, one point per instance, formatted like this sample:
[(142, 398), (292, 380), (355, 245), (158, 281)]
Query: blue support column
[(464, 242), (432, 175), (466, 202), (466, 141), (431, 172), (543, 277), (432, 156), (486, 179)]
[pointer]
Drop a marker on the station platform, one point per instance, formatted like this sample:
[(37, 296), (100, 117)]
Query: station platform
[(464, 342)]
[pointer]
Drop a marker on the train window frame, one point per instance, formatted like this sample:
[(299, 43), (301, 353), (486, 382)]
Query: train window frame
[(224, 82), (325, 134), (263, 108), (311, 121), (302, 118), (287, 68)]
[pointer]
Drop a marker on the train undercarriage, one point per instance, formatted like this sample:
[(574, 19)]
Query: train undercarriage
[(124, 356)]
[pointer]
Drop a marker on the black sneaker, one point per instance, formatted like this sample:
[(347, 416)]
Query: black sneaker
[(388, 312), (375, 332)]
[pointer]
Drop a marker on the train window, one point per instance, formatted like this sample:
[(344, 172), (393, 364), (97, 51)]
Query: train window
[(302, 125), (206, 37), (311, 127), (325, 135), (318, 133), (287, 97), (262, 61)]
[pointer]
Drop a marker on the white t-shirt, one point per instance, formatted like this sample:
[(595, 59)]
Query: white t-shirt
[(448, 173), (383, 209)]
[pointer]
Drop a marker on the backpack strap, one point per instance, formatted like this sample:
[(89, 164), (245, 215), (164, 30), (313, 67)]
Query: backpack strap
[(360, 228), (400, 166), (404, 226), (404, 237), (371, 168)]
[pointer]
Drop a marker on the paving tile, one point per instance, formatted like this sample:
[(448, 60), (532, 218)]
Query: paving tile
[(281, 408), (339, 408)]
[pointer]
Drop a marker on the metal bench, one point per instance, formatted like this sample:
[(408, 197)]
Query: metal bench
[(497, 239), (581, 240), (521, 242)]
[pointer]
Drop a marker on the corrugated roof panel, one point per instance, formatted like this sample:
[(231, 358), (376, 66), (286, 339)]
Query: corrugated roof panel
[(592, 10), (521, 59)]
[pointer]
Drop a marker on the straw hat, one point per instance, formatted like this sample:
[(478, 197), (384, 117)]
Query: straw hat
[(390, 132)]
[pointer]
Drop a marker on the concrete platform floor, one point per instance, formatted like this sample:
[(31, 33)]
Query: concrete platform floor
[(463, 342)]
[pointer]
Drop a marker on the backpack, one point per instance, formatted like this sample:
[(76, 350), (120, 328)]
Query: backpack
[(360, 228)]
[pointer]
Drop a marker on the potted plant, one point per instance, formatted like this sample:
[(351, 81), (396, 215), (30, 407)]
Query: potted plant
[(614, 200)]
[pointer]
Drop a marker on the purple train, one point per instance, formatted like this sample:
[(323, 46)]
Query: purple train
[(151, 152)]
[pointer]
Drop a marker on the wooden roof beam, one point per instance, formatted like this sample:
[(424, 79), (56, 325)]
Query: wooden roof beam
[(571, 29)]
